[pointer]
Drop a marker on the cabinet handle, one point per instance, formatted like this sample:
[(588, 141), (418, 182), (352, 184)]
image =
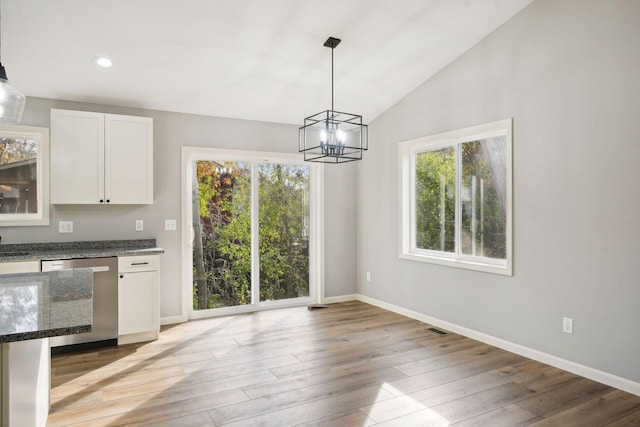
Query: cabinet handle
[(108, 201), (101, 201), (140, 263), (122, 276)]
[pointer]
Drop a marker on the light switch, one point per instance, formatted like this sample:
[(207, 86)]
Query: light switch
[(65, 226), (139, 225), (170, 224)]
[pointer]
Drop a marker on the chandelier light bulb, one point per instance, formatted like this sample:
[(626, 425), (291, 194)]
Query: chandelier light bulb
[(11, 101)]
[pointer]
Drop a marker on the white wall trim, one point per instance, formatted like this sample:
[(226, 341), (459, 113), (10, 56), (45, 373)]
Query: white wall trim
[(317, 250), (407, 182), (172, 320), (341, 298), (558, 362)]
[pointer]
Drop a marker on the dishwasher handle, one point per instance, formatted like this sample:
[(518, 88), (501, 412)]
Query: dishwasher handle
[(99, 269), (52, 265)]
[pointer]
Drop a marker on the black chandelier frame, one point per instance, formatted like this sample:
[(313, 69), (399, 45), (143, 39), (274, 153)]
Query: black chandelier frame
[(333, 136)]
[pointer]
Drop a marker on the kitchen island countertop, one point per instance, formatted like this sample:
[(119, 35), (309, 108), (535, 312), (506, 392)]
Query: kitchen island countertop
[(42, 305)]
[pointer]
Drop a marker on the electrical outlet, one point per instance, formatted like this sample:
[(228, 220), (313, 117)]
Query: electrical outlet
[(368, 276), (139, 225), (65, 226), (567, 325), (170, 224)]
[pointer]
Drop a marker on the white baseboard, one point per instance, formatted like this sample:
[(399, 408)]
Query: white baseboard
[(139, 337), (172, 320), (567, 365), (340, 298)]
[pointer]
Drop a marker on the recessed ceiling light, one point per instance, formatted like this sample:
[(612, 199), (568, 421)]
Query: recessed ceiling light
[(104, 62)]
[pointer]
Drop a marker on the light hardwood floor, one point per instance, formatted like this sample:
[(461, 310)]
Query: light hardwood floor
[(350, 364)]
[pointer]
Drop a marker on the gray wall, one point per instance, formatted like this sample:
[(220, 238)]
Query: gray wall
[(171, 131), (567, 72)]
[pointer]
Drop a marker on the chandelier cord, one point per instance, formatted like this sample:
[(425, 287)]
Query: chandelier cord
[(332, 108)]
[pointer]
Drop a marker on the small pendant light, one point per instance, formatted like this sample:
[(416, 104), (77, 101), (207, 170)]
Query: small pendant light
[(11, 100)]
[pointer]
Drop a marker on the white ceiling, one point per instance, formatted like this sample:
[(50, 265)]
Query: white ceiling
[(250, 59)]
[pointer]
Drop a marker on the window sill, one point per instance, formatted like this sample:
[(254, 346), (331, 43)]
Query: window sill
[(503, 269)]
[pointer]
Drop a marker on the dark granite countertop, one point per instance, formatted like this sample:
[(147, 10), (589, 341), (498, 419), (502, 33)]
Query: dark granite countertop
[(41, 305), (67, 250)]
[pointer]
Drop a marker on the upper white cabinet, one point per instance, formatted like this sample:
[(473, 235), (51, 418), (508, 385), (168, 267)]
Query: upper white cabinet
[(101, 158), (128, 170)]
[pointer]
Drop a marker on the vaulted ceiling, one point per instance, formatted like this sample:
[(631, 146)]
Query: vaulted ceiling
[(249, 59)]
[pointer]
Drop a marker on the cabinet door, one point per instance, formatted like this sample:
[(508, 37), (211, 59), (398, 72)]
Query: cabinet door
[(128, 159), (77, 157), (138, 303)]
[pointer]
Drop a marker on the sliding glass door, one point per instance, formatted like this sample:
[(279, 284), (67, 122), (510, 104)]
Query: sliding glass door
[(283, 229), (251, 230), (222, 234)]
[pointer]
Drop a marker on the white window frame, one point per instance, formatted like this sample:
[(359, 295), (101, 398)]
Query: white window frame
[(316, 229), (407, 152), (41, 135)]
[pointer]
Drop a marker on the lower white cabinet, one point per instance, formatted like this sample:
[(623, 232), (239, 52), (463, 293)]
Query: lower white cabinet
[(138, 298)]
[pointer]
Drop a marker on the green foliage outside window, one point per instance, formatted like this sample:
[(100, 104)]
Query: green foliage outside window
[(222, 266), (482, 196)]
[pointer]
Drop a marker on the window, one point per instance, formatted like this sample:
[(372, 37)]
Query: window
[(456, 198), (24, 175), (253, 230)]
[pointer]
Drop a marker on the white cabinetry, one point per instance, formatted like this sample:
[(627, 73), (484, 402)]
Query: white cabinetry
[(101, 158), (138, 298)]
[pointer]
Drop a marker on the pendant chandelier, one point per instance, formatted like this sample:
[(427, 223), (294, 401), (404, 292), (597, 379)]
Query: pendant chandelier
[(333, 136), (11, 101)]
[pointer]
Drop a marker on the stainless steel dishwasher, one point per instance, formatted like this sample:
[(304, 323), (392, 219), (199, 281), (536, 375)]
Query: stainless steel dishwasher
[(104, 331)]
